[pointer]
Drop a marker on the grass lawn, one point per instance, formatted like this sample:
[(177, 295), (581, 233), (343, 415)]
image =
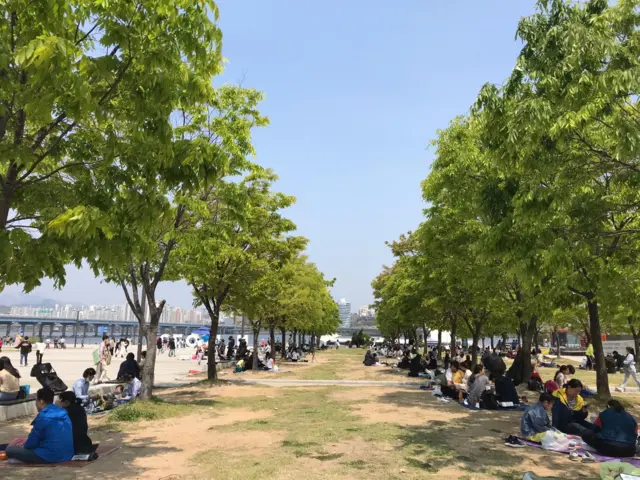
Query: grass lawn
[(231, 431)]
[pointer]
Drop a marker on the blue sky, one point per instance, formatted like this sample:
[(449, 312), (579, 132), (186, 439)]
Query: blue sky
[(355, 90)]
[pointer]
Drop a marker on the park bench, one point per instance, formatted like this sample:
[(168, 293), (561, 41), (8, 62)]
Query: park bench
[(10, 409)]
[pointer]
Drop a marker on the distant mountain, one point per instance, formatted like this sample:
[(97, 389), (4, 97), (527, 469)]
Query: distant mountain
[(27, 300)]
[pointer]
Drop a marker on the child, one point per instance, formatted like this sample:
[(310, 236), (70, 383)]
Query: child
[(535, 420)]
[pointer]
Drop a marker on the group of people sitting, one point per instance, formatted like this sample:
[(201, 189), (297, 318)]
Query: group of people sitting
[(58, 432), (127, 390), (614, 432)]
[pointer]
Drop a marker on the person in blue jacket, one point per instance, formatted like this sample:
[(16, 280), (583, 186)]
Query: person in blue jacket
[(616, 433), (51, 438), (535, 421)]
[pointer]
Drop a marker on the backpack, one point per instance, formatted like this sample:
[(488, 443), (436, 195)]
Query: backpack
[(488, 400)]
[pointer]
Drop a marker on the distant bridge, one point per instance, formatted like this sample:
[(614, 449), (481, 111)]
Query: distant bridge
[(65, 327)]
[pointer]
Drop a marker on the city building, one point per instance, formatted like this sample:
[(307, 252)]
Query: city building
[(365, 311), (344, 311)]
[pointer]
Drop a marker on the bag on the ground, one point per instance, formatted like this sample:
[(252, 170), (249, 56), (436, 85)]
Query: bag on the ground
[(535, 385), (488, 400)]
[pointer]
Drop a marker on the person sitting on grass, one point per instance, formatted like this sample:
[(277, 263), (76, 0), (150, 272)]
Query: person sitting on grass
[(81, 442), (616, 432), (453, 375), (433, 361), (569, 412), (272, 367), (462, 376), (129, 367), (477, 370), (535, 420), (415, 365), (81, 386), (561, 376), (506, 392), (405, 362), (133, 386), (51, 438), (478, 386), (368, 359)]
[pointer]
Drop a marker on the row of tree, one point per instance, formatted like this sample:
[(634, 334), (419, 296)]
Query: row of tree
[(117, 151), (533, 196)]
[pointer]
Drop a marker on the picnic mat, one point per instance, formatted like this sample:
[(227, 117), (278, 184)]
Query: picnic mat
[(102, 451), (516, 408), (635, 461)]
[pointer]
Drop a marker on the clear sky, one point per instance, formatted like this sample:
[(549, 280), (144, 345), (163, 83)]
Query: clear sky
[(355, 90)]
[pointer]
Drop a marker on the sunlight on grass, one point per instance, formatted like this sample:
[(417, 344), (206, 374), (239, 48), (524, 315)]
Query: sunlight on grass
[(151, 410)]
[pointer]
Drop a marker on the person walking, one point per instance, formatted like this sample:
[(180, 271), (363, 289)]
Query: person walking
[(590, 357), (39, 351), (629, 366), (172, 347), (25, 349), (102, 358)]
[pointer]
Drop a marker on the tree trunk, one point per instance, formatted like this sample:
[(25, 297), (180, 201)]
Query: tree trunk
[(440, 344), (272, 337), (148, 372), (212, 373), (492, 347), (557, 335), (256, 333), (426, 333), (528, 330), (283, 349), (476, 339), (602, 379), (141, 323), (141, 336), (454, 328)]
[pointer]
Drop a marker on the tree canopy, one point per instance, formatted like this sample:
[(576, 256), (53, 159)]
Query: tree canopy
[(532, 196)]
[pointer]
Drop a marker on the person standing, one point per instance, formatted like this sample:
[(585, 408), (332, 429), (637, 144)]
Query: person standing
[(25, 349), (629, 366), (221, 347), (172, 347), (590, 356), (100, 358), (39, 351), (231, 347)]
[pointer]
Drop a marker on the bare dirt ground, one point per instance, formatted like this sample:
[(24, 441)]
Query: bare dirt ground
[(247, 432)]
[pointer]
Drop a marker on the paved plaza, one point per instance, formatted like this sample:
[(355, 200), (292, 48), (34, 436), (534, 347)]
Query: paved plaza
[(70, 363)]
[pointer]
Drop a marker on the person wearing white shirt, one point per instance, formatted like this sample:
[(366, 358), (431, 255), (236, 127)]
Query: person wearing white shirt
[(132, 390), (629, 366), (81, 386)]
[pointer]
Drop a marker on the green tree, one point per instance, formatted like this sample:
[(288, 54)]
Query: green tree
[(72, 76), (566, 124), (236, 224)]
